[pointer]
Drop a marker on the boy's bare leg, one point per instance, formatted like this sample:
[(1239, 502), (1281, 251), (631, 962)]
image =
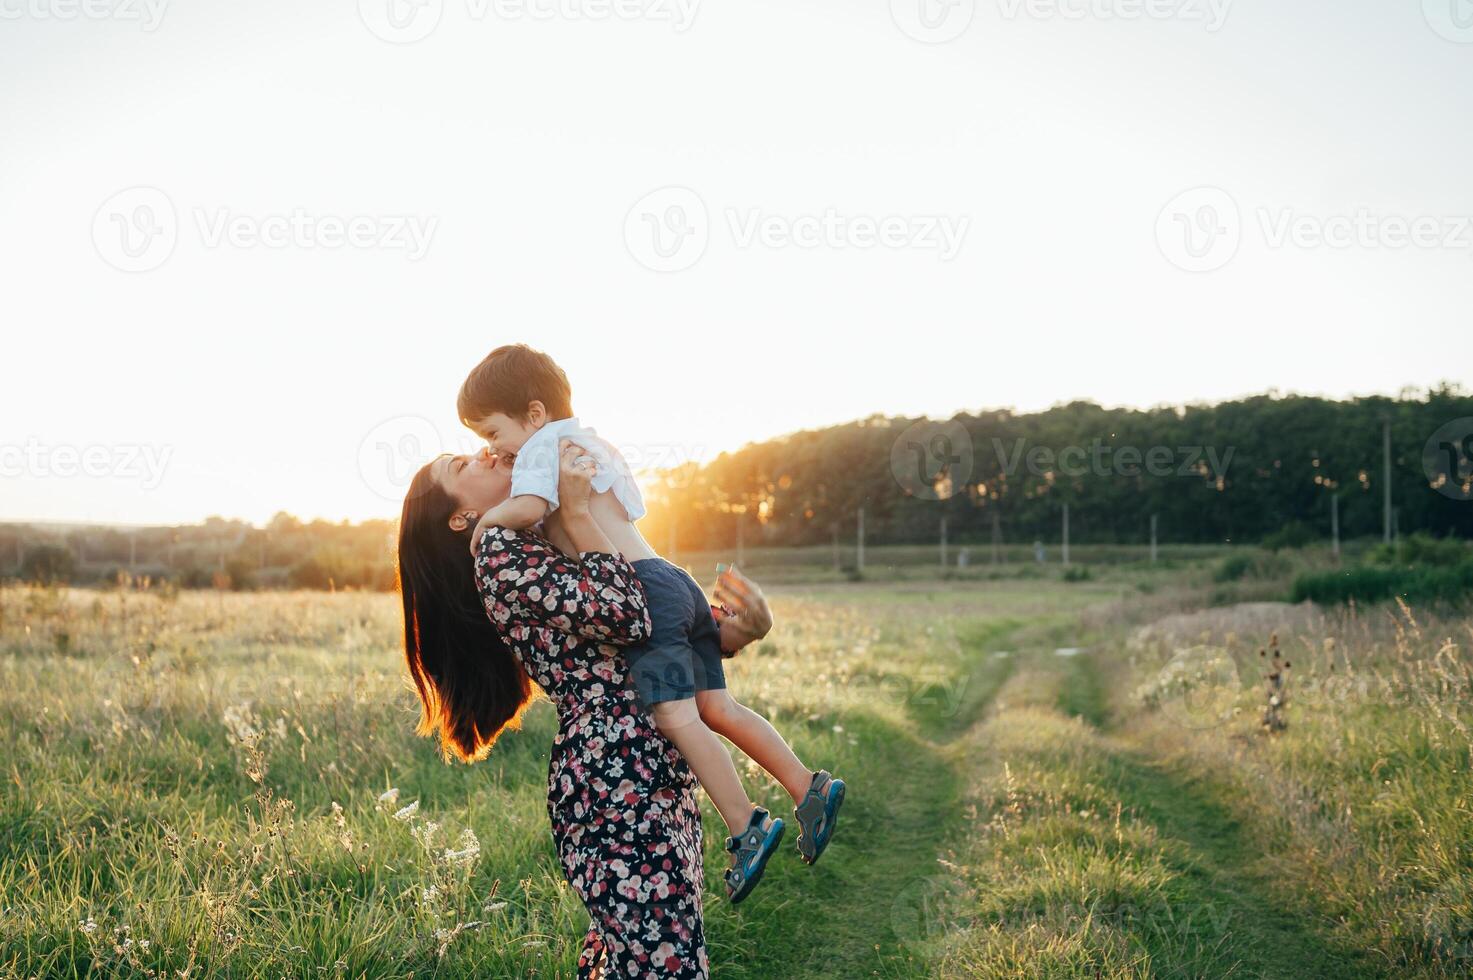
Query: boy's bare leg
[(754, 735), (680, 722)]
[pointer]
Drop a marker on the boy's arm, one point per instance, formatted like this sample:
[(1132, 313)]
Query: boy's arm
[(516, 513)]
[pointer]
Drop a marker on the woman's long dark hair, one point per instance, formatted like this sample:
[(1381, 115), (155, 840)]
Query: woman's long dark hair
[(470, 685)]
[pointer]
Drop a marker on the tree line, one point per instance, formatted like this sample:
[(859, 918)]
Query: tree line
[(1263, 467), (1237, 471)]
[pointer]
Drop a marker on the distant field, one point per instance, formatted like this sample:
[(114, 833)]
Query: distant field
[(1048, 778)]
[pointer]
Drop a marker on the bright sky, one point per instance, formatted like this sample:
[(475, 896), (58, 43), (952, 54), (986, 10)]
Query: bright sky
[(860, 221)]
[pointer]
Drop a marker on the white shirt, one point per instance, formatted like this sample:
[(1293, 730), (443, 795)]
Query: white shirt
[(535, 471)]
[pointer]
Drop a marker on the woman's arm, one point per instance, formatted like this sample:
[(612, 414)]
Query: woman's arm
[(517, 513), (596, 595)]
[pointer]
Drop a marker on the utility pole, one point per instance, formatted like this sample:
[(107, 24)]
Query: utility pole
[(741, 551), (1066, 534), (943, 542), (1153, 539), (1386, 459), (1335, 526), (859, 558), (132, 551)]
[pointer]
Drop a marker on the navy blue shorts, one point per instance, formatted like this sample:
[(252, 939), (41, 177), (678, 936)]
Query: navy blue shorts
[(683, 654)]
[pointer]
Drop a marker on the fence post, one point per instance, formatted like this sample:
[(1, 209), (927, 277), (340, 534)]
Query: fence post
[(1066, 534)]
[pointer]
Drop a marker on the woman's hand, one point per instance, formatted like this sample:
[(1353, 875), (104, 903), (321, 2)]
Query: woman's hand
[(745, 615), (575, 478)]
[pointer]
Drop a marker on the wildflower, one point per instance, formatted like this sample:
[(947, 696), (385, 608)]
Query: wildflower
[(467, 851), (390, 797), (407, 813)]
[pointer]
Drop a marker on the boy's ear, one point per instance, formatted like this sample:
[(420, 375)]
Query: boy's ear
[(536, 412), (463, 520)]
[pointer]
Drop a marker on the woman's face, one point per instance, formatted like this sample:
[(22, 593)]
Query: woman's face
[(476, 483)]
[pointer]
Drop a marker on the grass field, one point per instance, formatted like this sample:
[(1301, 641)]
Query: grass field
[(1047, 778)]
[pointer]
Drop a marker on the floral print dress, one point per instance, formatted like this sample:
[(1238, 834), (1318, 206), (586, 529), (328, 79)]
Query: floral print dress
[(625, 819)]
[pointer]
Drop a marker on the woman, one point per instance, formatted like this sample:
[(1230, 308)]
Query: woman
[(556, 609)]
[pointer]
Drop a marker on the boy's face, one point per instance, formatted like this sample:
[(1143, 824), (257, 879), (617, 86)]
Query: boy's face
[(505, 434)]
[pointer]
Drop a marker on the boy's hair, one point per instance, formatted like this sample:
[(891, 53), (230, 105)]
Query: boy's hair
[(508, 380)]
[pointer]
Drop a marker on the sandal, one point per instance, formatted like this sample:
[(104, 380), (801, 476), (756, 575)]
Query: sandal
[(818, 814), (751, 851)]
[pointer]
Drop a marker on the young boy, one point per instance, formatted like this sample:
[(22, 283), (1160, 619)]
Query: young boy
[(520, 402)]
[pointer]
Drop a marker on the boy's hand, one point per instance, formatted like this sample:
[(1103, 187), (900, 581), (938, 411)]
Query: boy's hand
[(480, 529), (743, 614)]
